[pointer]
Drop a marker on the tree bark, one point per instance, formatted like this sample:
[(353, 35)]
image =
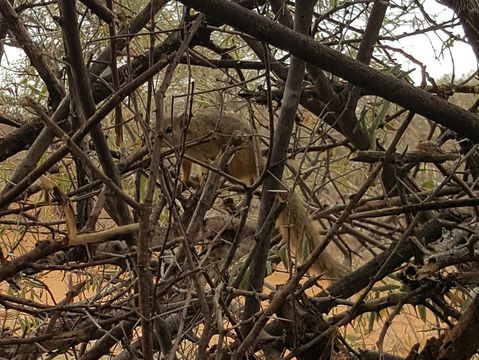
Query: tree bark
[(378, 83), (291, 97)]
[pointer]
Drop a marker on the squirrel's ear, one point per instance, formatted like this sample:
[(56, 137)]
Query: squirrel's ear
[(182, 118)]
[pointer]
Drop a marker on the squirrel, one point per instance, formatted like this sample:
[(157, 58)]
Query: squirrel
[(216, 129)]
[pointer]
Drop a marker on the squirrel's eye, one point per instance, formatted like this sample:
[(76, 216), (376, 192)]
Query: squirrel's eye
[(168, 130)]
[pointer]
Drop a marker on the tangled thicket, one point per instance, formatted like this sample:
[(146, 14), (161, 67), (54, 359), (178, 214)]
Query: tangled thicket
[(92, 202)]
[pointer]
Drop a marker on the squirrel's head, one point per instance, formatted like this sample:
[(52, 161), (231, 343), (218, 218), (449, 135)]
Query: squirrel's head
[(172, 128)]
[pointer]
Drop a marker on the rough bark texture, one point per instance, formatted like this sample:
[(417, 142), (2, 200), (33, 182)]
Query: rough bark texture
[(291, 97), (463, 340)]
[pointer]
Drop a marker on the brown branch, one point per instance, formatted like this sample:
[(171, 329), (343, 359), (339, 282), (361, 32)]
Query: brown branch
[(357, 280), (100, 10), (412, 208), (344, 122), (371, 33), (21, 138), (115, 78), (78, 152), (293, 87), (103, 345), (460, 343), (39, 146), (12, 19), (364, 55), (6, 120), (468, 14), (326, 103), (281, 295), (81, 82), (384, 85), (99, 115), (146, 230), (42, 250), (409, 157), (136, 24)]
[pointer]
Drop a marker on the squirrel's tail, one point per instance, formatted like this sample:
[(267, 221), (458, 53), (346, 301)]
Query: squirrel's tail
[(297, 228)]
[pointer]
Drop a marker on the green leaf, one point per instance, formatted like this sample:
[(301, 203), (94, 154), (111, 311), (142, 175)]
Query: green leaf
[(387, 287), (428, 185), (421, 310), (284, 256), (372, 320)]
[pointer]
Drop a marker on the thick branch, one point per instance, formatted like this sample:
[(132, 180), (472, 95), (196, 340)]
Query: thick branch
[(34, 53), (462, 341), (87, 104), (291, 97), (384, 85)]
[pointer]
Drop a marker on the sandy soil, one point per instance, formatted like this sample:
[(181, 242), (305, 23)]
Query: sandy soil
[(407, 329)]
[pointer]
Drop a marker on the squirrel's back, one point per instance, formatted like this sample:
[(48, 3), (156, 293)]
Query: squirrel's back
[(215, 129)]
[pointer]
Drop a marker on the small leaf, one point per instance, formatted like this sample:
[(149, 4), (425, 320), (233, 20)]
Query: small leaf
[(454, 298), (428, 185), (372, 320), (284, 256), (421, 310), (387, 287)]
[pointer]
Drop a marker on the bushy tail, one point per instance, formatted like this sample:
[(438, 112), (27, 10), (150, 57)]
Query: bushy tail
[(297, 227)]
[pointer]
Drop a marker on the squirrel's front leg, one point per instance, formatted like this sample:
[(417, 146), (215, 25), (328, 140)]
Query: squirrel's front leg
[(186, 169), (195, 181)]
